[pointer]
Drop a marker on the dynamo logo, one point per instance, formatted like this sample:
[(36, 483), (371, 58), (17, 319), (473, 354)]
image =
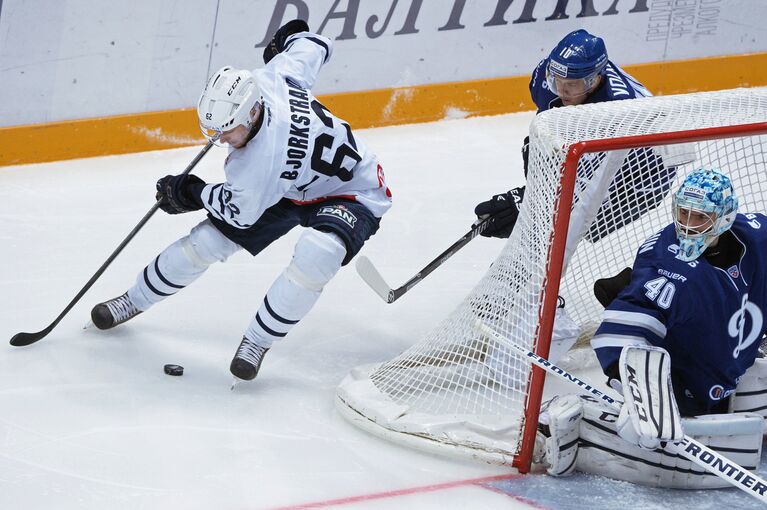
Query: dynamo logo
[(737, 325)]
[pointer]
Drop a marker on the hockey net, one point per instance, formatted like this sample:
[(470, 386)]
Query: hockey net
[(600, 182)]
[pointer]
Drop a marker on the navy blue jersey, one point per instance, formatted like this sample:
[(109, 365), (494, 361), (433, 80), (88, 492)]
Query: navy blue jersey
[(616, 84), (709, 319)]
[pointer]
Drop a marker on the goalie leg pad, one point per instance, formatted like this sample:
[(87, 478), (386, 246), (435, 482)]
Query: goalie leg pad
[(602, 452), (751, 393), (561, 418), (180, 264)]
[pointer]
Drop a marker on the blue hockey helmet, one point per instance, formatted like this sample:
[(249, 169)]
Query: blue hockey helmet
[(704, 208), (579, 58)]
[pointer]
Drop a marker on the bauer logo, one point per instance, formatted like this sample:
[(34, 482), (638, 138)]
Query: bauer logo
[(340, 212)]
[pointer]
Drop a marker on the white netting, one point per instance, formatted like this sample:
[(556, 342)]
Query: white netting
[(459, 390)]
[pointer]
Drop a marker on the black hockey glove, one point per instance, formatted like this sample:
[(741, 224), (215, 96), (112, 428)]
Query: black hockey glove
[(180, 193), (503, 210), (607, 289), (277, 44)]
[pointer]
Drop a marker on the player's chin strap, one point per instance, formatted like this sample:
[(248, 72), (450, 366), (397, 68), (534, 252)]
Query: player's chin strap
[(687, 448)]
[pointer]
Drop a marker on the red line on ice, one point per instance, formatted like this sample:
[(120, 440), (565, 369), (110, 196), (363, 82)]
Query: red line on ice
[(415, 490)]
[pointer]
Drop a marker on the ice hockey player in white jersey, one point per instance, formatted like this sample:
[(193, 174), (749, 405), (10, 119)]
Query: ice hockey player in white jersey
[(680, 342), (291, 162), (578, 71)]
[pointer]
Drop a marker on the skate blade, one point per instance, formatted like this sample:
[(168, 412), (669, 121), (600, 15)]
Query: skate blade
[(89, 325), (234, 383)]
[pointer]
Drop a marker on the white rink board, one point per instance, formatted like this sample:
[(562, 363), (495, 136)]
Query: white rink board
[(73, 59)]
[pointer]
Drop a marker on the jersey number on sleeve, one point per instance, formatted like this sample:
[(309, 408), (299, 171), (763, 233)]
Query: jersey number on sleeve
[(323, 142)]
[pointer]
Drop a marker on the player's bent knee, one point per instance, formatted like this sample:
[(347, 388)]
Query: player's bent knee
[(317, 258), (205, 245)]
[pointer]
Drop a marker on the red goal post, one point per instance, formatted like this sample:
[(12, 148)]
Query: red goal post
[(599, 183)]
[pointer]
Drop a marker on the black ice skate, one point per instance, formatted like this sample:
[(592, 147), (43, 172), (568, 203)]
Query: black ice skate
[(247, 360), (113, 312)]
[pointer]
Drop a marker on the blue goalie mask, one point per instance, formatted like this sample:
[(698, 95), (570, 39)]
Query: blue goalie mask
[(576, 62), (704, 208)]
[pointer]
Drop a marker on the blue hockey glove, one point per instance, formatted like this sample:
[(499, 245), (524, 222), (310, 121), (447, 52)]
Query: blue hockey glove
[(180, 193), (277, 44), (503, 210)]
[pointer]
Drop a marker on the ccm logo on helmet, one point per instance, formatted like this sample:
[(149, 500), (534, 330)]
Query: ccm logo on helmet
[(234, 86)]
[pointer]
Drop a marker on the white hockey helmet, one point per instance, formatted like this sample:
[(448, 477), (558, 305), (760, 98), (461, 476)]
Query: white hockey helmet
[(227, 101)]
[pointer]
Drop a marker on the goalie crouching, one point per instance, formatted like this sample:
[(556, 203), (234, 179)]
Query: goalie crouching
[(680, 341)]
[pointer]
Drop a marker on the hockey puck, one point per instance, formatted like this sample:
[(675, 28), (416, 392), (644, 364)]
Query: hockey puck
[(174, 369)]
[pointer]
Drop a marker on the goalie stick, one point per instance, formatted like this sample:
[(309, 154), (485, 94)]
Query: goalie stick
[(375, 281), (22, 339), (688, 448)]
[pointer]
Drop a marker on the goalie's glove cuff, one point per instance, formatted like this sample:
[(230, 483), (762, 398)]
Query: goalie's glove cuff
[(627, 431)]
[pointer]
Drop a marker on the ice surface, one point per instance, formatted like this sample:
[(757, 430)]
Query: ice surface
[(88, 419)]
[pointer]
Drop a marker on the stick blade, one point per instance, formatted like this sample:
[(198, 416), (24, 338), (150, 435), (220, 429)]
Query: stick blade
[(373, 278), (22, 339)]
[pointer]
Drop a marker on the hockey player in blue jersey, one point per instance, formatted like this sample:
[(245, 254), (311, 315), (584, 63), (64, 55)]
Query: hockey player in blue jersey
[(578, 71), (291, 162), (681, 339)]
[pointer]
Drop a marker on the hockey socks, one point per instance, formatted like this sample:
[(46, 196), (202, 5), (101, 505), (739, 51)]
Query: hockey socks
[(317, 258)]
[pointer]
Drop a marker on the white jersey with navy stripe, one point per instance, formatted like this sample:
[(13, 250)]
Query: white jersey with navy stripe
[(301, 152)]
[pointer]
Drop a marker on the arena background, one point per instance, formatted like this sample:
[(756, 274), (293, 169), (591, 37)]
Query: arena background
[(82, 78)]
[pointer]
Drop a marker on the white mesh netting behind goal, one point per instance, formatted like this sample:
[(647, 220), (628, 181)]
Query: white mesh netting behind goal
[(458, 390)]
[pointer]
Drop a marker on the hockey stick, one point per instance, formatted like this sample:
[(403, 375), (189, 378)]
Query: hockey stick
[(373, 278), (22, 339), (688, 448)]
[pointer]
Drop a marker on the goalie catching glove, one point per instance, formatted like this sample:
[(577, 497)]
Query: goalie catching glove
[(649, 417)]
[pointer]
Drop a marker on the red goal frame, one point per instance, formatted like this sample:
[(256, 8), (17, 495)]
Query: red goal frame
[(555, 258)]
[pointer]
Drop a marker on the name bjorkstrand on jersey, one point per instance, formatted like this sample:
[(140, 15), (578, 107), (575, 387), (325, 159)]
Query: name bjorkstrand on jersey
[(298, 141)]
